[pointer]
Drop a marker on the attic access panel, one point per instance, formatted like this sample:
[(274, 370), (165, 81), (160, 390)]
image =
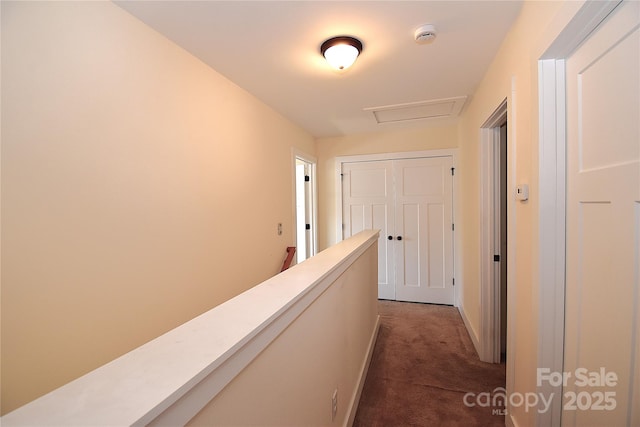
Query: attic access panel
[(433, 109)]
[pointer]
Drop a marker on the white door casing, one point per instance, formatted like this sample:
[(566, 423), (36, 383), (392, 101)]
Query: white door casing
[(584, 19), (305, 205), (490, 207), (603, 197), (410, 201)]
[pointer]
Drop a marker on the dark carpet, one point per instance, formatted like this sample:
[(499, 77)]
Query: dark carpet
[(422, 366)]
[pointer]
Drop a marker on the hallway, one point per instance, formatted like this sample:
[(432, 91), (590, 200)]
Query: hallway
[(422, 367)]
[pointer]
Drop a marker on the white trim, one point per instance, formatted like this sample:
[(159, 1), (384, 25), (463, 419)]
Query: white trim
[(338, 189), (472, 333), (355, 399), (299, 154), (394, 156), (303, 156), (489, 296), (512, 241), (552, 193), (551, 214), (590, 15)]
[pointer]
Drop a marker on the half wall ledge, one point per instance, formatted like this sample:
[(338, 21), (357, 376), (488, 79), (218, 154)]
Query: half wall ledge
[(180, 374)]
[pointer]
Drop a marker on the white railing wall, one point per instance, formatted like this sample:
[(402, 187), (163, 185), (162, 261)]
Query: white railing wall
[(275, 354)]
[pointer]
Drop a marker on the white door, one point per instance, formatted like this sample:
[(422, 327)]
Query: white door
[(424, 256), (410, 201), (603, 224), (367, 203)]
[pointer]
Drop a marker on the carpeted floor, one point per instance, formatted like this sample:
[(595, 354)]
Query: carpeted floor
[(423, 365)]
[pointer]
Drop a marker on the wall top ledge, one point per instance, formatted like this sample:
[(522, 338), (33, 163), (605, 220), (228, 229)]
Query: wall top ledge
[(138, 387)]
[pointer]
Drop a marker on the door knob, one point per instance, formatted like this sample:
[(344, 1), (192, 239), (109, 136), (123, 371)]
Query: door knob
[(390, 238), (399, 237)]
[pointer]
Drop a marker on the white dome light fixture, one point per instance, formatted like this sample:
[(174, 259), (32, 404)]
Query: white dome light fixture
[(425, 34), (341, 52)]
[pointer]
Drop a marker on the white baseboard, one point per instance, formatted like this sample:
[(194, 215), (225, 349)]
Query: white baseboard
[(474, 337), (355, 399)]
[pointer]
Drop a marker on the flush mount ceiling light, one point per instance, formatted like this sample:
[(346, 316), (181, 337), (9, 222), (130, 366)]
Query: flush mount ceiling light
[(341, 52)]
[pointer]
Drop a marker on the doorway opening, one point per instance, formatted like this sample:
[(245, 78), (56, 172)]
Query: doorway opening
[(305, 208), (494, 236), (501, 235)]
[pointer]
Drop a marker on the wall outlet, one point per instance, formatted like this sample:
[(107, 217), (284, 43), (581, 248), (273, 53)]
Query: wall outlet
[(334, 404), (279, 229)]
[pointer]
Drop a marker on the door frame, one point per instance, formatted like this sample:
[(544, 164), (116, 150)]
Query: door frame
[(489, 289), (552, 194), (450, 152), (295, 155)]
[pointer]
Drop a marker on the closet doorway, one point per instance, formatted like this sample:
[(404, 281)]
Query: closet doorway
[(410, 200)]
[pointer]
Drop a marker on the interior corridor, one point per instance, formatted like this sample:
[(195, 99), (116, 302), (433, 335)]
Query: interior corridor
[(423, 366)]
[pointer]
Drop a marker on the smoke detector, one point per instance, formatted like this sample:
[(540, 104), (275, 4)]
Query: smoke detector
[(425, 34)]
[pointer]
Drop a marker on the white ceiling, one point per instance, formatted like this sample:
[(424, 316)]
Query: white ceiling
[(271, 49)]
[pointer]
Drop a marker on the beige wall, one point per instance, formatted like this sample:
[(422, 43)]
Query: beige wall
[(512, 75), (133, 179), (428, 138)]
